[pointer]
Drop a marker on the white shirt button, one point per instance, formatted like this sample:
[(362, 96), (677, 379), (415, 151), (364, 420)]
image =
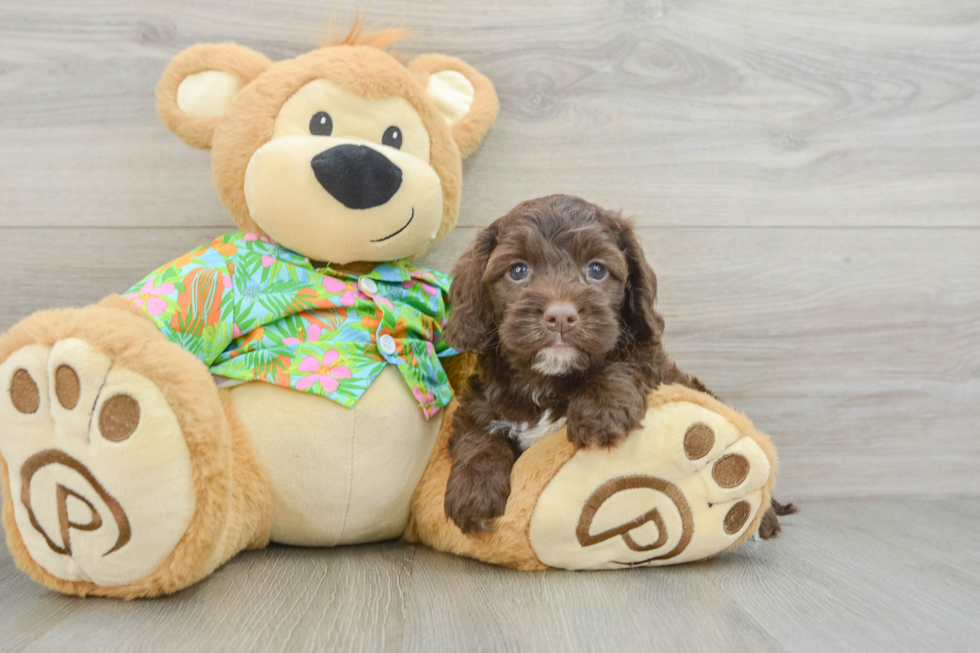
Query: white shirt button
[(368, 285), (387, 344)]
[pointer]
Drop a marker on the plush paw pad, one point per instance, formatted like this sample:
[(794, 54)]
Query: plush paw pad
[(100, 475), (683, 487)]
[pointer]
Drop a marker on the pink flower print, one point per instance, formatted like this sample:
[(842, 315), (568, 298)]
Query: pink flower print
[(430, 348), (384, 301), (347, 294), (267, 261), (327, 372), (312, 335), (226, 281), (429, 290), (252, 236), (424, 396), (334, 285), (149, 295), (426, 399), (235, 331)]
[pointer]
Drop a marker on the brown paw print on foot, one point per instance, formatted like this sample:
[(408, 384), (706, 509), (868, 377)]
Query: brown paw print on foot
[(683, 487), (100, 477), (649, 527), (729, 471)]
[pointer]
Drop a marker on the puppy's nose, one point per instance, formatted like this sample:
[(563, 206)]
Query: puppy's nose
[(561, 317), (357, 176)]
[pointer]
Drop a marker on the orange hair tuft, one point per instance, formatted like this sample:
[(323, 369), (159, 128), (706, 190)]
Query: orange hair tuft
[(381, 39)]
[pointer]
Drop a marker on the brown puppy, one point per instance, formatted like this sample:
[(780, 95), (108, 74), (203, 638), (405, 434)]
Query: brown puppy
[(557, 300)]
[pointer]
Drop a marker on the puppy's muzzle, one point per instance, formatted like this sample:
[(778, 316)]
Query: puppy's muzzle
[(560, 317), (357, 176)]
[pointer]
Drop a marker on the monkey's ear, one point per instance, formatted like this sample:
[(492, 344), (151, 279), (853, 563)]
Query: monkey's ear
[(198, 85), (471, 322), (464, 97)]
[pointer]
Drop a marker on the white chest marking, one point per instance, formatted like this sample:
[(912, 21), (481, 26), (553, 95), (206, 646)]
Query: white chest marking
[(525, 434)]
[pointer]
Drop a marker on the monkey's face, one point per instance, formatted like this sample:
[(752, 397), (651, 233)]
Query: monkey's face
[(342, 154), (344, 168)]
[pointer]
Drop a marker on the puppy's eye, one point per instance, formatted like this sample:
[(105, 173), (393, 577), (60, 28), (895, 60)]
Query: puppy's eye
[(519, 271), (392, 138), (321, 124), (596, 271)]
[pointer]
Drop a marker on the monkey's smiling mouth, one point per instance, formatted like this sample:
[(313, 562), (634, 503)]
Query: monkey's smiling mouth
[(412, 217)]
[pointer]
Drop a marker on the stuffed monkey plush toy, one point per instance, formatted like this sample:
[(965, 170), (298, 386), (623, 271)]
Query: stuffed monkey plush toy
[(289, 382)]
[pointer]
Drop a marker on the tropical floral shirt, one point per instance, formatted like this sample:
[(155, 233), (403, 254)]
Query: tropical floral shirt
[(252, 310)]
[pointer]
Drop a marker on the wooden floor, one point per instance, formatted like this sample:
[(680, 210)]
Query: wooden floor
[(806, 179), (866, 575)]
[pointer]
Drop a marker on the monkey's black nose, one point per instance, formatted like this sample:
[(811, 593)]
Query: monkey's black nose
[(357, 176)]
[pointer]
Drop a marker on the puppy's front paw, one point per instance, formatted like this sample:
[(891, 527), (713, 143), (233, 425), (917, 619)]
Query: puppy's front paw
[(473, 503), (590, 425)]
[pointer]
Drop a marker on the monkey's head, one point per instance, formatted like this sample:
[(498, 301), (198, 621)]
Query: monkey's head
[(342, 154)]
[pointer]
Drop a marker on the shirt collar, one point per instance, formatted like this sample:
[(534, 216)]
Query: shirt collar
[(391, 271)]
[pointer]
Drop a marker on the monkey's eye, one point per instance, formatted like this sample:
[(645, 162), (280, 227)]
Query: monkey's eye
[(321, 124), (519, 271), (392, 137), (596, 271)]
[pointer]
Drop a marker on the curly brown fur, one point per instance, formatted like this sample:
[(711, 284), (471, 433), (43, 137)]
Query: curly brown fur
[(567, 343), (784, 508), (770, 528)]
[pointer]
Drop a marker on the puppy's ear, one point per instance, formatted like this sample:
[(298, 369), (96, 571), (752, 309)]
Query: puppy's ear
[(471, 322), (639, 314)]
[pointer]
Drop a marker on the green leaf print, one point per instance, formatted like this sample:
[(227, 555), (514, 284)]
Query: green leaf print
[(259, 284)]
